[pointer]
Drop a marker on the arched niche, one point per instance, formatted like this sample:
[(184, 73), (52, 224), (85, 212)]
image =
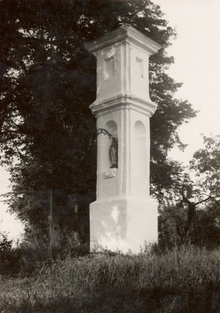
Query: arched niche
[(139, 159), (111, 127), (139, 130)]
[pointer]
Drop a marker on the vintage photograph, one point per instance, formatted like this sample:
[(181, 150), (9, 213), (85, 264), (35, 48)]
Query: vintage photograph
[(109, 156)]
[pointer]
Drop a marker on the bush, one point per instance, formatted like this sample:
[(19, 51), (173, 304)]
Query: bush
[(31, 255), (8, 257)]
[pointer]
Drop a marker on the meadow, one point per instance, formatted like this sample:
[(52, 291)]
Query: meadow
[(185, 279)]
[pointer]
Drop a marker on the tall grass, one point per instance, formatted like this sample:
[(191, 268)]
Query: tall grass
[(181, 280)]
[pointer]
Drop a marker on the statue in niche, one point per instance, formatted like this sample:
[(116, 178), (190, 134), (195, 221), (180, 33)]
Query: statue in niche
[(113, 153)]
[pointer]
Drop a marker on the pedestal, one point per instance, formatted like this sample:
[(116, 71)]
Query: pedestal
[(125, 225)]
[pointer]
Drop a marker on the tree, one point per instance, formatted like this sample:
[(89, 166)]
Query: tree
[(206, 165), (48, 83), (192, 212), (203, 230)]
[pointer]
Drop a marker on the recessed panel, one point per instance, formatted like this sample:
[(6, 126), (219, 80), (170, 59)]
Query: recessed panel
[(109, 67), (139, 67)]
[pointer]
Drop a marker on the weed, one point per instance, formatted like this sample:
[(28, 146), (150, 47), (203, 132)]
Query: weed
[(181, 280)]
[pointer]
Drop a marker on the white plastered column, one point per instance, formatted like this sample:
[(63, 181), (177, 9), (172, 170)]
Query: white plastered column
[(124, 216)]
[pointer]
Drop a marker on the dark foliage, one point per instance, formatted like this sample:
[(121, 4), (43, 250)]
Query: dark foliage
[(48, 81)]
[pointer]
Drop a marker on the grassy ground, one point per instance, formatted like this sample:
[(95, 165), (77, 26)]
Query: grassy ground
[(182, 280)]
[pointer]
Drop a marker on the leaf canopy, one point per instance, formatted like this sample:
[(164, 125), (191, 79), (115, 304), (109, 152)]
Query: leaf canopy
[(48, 81)]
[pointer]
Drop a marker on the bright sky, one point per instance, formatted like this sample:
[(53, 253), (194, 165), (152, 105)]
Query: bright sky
[(197, 65)]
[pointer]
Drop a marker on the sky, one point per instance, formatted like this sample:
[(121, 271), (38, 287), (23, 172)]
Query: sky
[(197, 65), (196, 52)]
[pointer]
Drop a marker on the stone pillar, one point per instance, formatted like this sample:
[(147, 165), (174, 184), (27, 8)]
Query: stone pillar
[(124, 216)]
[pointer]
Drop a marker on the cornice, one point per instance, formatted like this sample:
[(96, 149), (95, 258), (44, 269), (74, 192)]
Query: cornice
[(125, 33), (123, 102)]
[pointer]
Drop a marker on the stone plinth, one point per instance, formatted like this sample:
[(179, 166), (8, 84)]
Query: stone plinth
[(123, 224), (124, 217)]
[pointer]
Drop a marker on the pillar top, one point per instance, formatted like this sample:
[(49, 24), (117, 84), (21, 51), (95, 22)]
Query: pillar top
[(125, 33)]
